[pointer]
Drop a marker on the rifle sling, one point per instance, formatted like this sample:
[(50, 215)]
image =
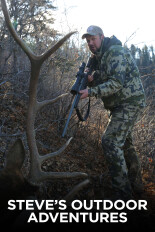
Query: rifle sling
[(86, 115)]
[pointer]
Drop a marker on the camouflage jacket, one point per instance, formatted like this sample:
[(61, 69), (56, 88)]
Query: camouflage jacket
[(116, 79)]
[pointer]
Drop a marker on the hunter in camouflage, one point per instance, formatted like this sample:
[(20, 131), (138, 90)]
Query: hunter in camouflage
[(116, 80)]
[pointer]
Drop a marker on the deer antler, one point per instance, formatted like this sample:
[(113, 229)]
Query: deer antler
[(36, 174)]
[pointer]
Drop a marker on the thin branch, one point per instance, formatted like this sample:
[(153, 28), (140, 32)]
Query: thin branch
[(10, 26), (22, 44), (134, 33), (13, 135), (144, 42), (148, 75), (148, 67), (3, 82)]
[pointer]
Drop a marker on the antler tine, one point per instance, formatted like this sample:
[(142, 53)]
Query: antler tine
[(44, 56), (39, 105), (36, 174), (53, 154), (76, 189), (44, 176)]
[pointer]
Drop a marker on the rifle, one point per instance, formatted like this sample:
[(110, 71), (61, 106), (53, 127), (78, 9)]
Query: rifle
[(79, 84)]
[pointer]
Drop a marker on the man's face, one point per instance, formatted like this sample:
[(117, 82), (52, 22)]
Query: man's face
[(94, 42)]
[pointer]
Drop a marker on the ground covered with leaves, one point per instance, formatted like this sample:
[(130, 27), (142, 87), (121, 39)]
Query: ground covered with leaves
[(84, 154)]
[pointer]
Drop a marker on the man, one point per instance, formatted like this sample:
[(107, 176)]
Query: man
[(116, 80)]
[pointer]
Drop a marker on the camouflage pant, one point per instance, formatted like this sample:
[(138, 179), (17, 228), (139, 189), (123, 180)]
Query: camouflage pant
[(122, 160)]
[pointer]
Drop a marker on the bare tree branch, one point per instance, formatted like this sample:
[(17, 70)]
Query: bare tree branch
[(129, 38), (14, 34)]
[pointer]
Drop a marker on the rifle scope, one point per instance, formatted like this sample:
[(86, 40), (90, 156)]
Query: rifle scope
[(80, 74)]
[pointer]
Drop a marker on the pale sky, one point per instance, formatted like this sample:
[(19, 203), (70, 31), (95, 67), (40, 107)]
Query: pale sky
[(116, 17)]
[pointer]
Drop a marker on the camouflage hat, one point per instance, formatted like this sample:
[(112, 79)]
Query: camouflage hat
[(92, 30)]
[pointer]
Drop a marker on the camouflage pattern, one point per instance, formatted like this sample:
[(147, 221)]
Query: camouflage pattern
[(121, 157), (133, 165), (117, 78), (92, 30), (117, 82)]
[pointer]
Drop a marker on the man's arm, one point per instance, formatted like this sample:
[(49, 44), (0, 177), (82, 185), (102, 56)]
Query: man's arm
[(116, 70)]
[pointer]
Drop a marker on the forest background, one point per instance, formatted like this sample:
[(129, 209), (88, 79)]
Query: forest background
[(33, 23)]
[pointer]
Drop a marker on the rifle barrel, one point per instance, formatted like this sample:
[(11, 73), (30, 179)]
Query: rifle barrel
[(70, 113)]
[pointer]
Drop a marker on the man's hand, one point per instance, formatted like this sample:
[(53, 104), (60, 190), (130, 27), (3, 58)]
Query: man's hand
[(90, 78), (84, 93)]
